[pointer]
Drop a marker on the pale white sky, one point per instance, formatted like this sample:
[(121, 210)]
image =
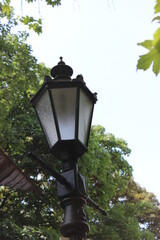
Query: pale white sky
[(98, 39)]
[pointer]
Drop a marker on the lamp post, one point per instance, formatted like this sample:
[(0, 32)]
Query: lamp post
[(64, 107)]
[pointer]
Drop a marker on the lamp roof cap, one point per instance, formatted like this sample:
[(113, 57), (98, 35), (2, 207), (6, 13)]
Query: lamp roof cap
[(61, 70)]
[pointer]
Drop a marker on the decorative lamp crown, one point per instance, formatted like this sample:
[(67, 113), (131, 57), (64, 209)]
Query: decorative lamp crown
[(61, 70)]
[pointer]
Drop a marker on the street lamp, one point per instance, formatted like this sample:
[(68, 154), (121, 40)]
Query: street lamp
[(64, 107)]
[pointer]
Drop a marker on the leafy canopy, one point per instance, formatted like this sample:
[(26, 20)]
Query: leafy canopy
[(30, 21)]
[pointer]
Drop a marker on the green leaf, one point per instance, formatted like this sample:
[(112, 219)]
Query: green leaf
[(53, 2), (157, 6), (26, 20), (153, 55), (147, 44), (156, 63), (35, 25), (156, 41), (153, 46), (8, 1), (6, 9), (40, 21), (145, 61), (156, 18)]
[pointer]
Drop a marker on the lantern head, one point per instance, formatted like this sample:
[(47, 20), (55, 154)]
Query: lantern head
[(64, 107)]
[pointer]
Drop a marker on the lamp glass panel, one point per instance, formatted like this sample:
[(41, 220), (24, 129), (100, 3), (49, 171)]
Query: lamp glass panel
[(85, 114), (44, 111), (65, 106)]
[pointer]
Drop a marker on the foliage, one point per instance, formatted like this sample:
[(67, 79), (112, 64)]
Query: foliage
[(30, 21), (153, 47), (147, 209), (135, 215), (20, 77), (105, 164), (9, 228)]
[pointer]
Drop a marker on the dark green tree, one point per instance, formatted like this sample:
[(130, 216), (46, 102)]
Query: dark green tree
[(147, 209), (20, 77)]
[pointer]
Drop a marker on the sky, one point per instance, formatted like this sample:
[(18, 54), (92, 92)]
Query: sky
[(98, 39)]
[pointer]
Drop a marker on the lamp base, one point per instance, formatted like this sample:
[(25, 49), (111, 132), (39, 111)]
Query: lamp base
[(74, 222)]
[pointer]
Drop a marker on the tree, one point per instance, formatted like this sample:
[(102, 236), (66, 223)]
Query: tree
[(106, 165), (20, 77), (153, 47), (135, 215), (147, 209), (108, 176)]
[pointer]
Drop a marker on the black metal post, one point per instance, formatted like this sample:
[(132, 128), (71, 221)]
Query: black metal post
[(73, 197), (73, 201), (76, 237)]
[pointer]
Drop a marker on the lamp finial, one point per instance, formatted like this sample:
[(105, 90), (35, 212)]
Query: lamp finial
[(61, 70)]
